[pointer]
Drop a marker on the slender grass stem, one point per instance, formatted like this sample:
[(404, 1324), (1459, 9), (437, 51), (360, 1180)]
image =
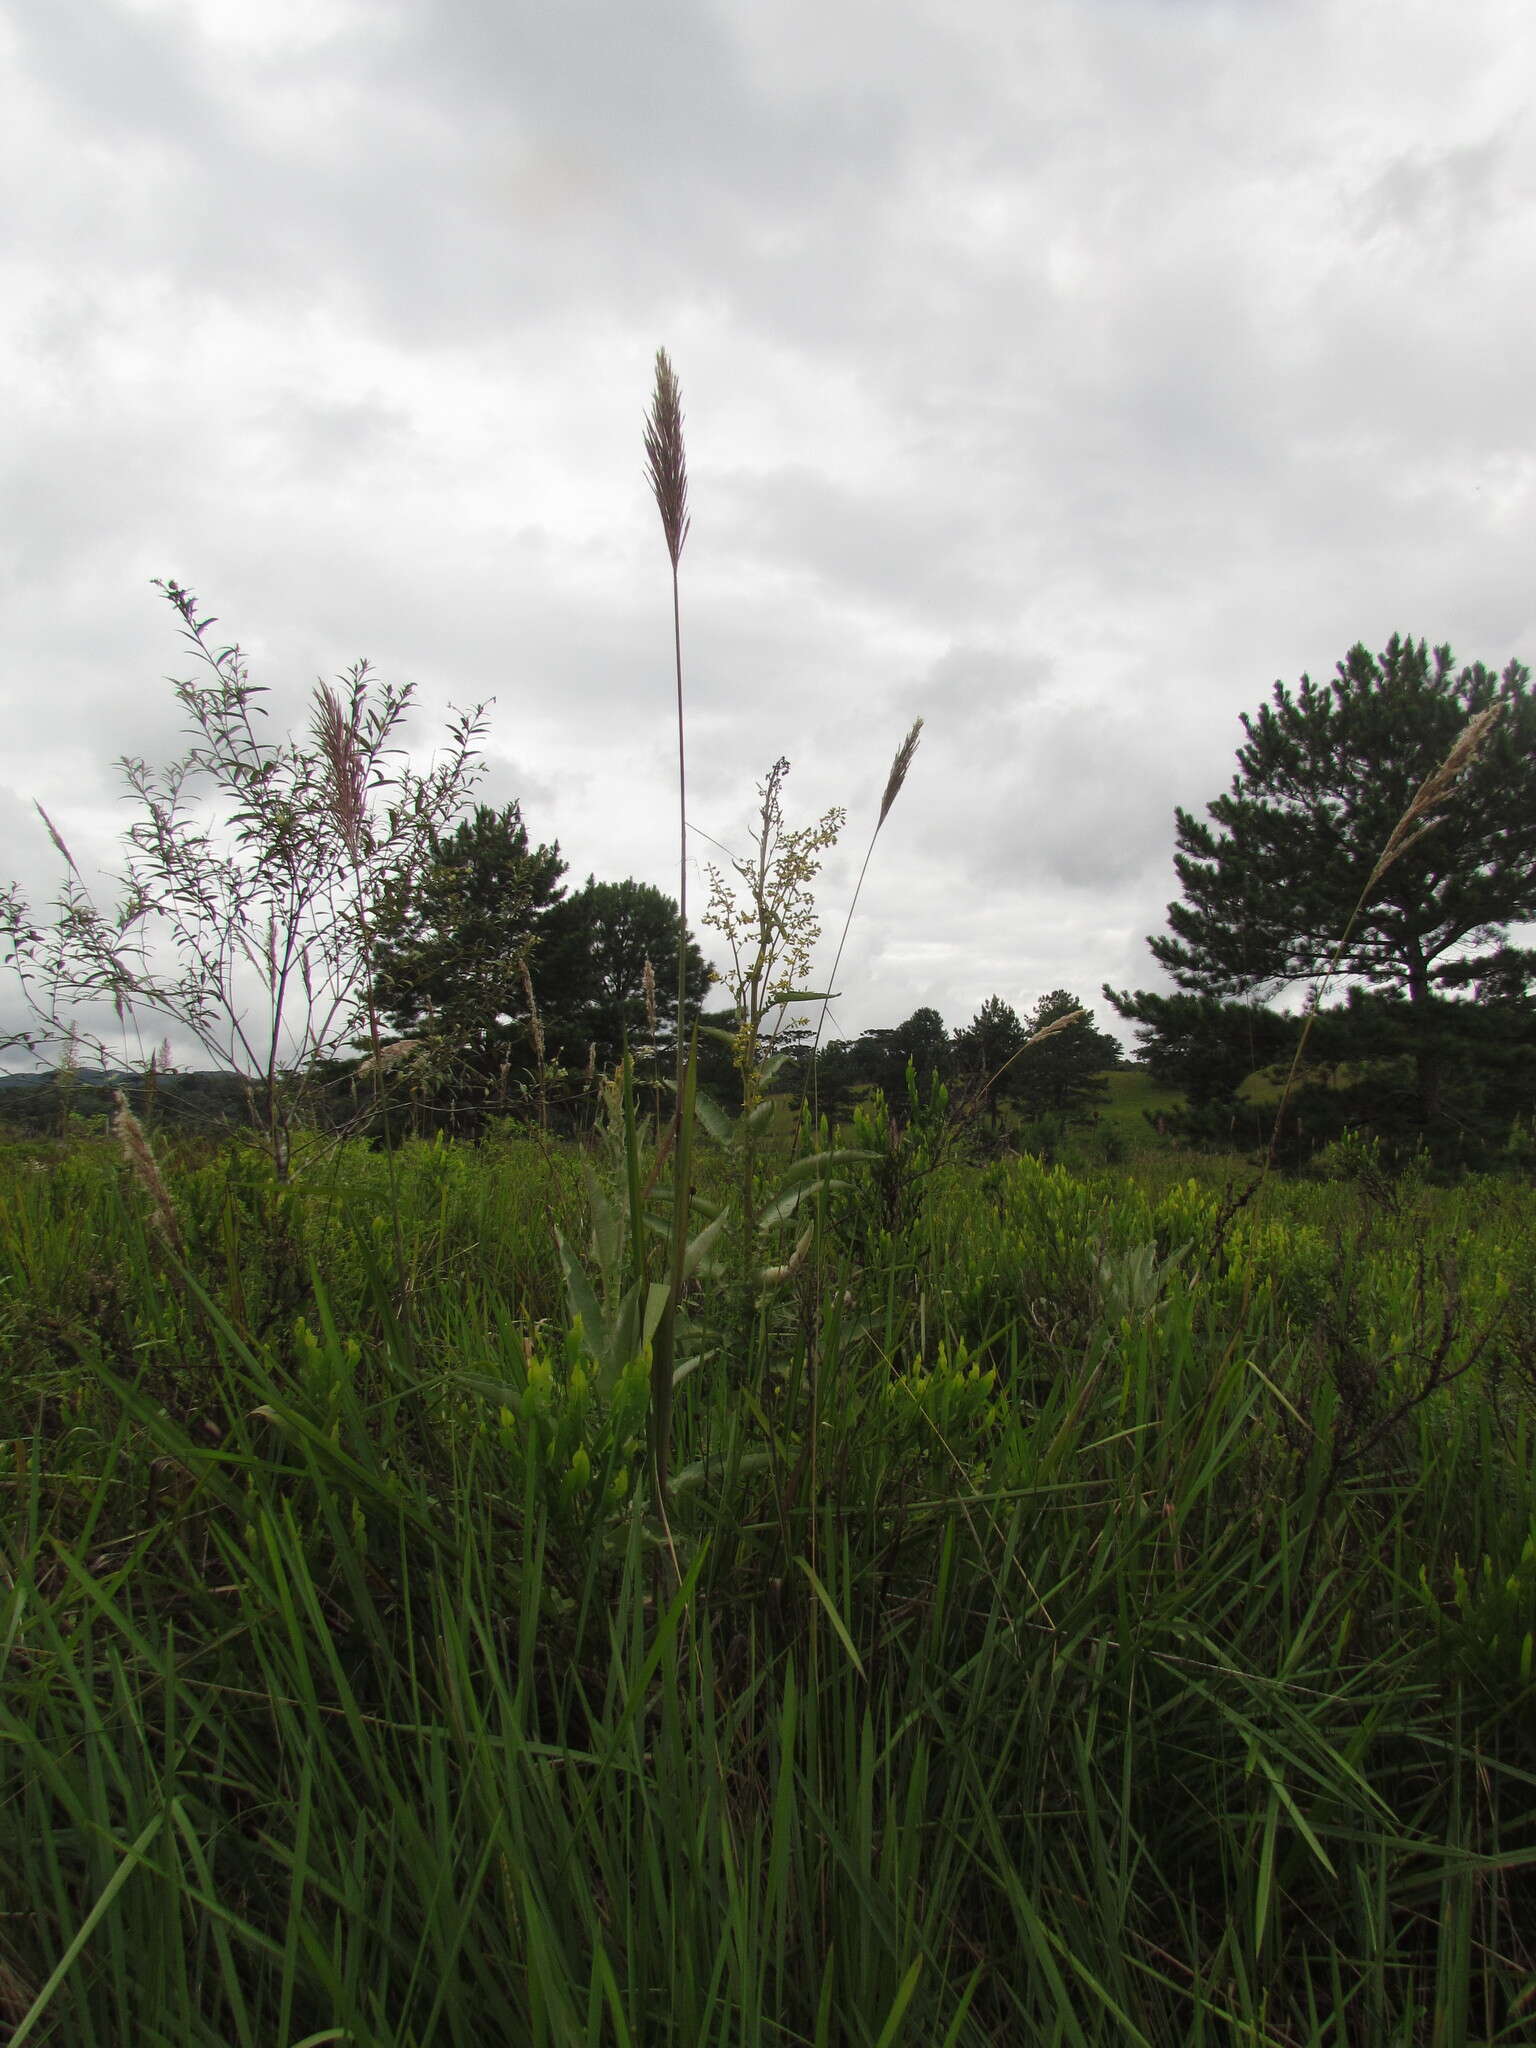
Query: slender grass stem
[(667, 468), (900, 765)]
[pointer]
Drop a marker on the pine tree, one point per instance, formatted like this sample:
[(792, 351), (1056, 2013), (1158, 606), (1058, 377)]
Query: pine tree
[(1065, 1074), (1285, 884), (452, 941)]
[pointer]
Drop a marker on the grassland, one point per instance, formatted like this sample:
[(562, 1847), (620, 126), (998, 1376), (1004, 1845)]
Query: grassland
[(1092, 1608)]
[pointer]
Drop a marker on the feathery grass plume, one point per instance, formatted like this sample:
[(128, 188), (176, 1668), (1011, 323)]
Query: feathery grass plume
[(648, 990), (535, 1021), (1036, 1038), (56, 836), (666, 458), (536, 1033), (346, 771), (129, 1133), (1050, 1030), (1433, 791), (898, 774), (900, 765), (346, 788), (394, 1054), (652, 1025)]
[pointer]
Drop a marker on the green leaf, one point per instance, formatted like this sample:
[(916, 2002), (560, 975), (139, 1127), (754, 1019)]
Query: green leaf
[(606, 1231), (781, 1206), (700, 1247), (788, 1200), (899, 2004), (656, 1301), (717, 1122), (833, 1616), (702, 1468), (582, 1301), (847, 1155), (133, 1856)]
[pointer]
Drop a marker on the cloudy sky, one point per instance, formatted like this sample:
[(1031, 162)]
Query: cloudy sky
[(1063, 371)]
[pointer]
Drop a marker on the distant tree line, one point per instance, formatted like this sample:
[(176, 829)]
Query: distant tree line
[(499, 991), (356, 947), (986, 1064), (498, 984)]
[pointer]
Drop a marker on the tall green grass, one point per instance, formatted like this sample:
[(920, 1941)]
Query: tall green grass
[(1091, 1617)]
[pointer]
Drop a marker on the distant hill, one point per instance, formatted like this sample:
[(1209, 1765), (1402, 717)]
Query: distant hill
[(45, 1077), (34, 1102)]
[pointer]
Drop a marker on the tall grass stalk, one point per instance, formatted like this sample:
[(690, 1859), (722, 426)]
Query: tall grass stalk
[(667, 471), (901, 764)]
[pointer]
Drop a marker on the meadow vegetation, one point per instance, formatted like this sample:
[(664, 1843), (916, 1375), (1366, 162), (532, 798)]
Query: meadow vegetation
[(917, 1565), (1090, 1610)]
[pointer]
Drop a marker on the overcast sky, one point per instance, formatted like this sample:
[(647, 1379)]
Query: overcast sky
[(1063, 371)]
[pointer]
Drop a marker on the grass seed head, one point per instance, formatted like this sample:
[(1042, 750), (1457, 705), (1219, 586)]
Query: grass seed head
[(346, 771), (648, 989), (55, 835), (1434, 789), (535, 1022), (395, 1054), (1056, 1024), (665, 457), (129, 1133), (899, 767)]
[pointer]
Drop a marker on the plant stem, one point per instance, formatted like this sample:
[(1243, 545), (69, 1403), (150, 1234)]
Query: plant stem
[(682, 843), (664, 1355)]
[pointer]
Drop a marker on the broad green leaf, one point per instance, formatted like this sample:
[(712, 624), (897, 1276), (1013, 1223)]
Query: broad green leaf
[(848, 1155), (702, 1469), (782, 1205), (656, 1301), (717, 1122), (700, 1247), (788, 1200), (607, 1234)]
